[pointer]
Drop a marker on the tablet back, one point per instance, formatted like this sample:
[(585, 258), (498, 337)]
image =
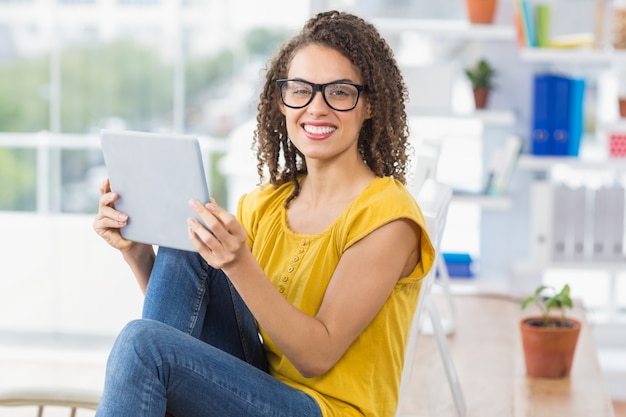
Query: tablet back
[(155, 176)]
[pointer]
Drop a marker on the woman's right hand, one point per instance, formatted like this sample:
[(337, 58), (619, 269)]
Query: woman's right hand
[(109, 221)]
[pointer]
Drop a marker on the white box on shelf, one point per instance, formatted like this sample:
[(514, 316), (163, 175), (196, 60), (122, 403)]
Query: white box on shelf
[(541, 226), (601, 224), (561, 224), (615, 236), (578, 223)]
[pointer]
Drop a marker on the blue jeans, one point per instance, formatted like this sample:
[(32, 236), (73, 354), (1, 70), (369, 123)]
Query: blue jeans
[(195, 352)]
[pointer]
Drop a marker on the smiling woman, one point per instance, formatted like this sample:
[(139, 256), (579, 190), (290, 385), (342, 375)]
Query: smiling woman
[(322, 261)]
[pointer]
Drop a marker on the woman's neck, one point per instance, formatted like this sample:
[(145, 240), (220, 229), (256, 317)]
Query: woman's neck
[(334, 183), (324, 196)]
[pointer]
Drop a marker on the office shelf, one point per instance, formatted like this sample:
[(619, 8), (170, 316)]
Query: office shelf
[(544, 163), (447, 27), (586, 56), (486, 202), (503, 118)]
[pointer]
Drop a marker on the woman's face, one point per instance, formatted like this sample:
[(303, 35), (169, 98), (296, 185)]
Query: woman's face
[(317, 130)]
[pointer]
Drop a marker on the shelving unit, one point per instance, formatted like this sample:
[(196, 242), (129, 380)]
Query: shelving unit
[(506, 263), (498, 211), (497, 123)]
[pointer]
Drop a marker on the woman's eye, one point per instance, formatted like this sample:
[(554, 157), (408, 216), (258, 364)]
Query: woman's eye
[(342, 91)]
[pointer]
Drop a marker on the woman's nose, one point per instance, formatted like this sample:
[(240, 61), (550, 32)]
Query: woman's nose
[(318, 104)]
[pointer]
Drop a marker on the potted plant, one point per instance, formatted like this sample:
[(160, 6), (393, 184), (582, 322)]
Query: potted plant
[(481, 77), (549, 341)]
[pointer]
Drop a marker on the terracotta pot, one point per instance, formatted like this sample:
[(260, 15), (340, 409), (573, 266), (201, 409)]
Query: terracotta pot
[(622, 107), (481, 97), (549, 351), (481, 11)]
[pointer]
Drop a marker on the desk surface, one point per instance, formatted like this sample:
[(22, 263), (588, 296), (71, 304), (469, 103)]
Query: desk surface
[(487, 352)]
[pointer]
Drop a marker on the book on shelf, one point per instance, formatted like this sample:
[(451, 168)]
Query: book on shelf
[(526, 23), (533, 22), (557, 114), (573, 40), (542, 24), (519, 25), (503, 164), (529, 24)]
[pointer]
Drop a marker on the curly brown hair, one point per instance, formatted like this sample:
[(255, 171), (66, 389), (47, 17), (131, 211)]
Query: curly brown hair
[(383, 139)]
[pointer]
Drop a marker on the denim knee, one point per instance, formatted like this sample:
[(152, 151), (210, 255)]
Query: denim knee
[(137, 342)]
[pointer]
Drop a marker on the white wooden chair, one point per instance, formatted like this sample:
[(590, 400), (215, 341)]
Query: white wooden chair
[(434, 199), (426, 162), (43, 398)]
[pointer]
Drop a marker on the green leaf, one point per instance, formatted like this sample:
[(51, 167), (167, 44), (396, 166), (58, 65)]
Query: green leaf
[(568, 302), (528, 301), (552, 302)]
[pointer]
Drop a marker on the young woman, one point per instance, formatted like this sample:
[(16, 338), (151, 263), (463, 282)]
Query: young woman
[(301, 304)]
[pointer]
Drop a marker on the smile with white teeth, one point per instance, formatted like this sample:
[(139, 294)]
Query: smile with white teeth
[(319, 130)]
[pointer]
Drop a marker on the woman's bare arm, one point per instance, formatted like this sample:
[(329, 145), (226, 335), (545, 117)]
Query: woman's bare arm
[(362, 282)]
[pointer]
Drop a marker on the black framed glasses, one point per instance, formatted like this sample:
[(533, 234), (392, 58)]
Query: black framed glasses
[(339, 95)]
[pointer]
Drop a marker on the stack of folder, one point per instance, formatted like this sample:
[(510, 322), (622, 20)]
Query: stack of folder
[(557, 114), (578, 223)]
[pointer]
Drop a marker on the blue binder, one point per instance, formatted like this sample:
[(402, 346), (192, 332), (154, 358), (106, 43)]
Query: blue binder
[(559, 104), (577, 116), (540, 129)]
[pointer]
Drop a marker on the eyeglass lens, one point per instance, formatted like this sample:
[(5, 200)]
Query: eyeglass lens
[(339, 96)]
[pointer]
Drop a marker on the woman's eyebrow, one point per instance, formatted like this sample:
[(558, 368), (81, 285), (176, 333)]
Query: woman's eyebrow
[(342, 80)]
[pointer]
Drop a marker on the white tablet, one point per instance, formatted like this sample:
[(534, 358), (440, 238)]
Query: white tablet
[(155, 176)]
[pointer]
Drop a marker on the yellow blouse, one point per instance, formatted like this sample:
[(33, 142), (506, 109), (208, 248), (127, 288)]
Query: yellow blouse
[(366, 380)]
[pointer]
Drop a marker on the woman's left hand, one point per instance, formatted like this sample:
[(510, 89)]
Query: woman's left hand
[(222, 240)]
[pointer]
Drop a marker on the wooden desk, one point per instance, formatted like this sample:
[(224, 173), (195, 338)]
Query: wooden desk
[(487, 352)]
